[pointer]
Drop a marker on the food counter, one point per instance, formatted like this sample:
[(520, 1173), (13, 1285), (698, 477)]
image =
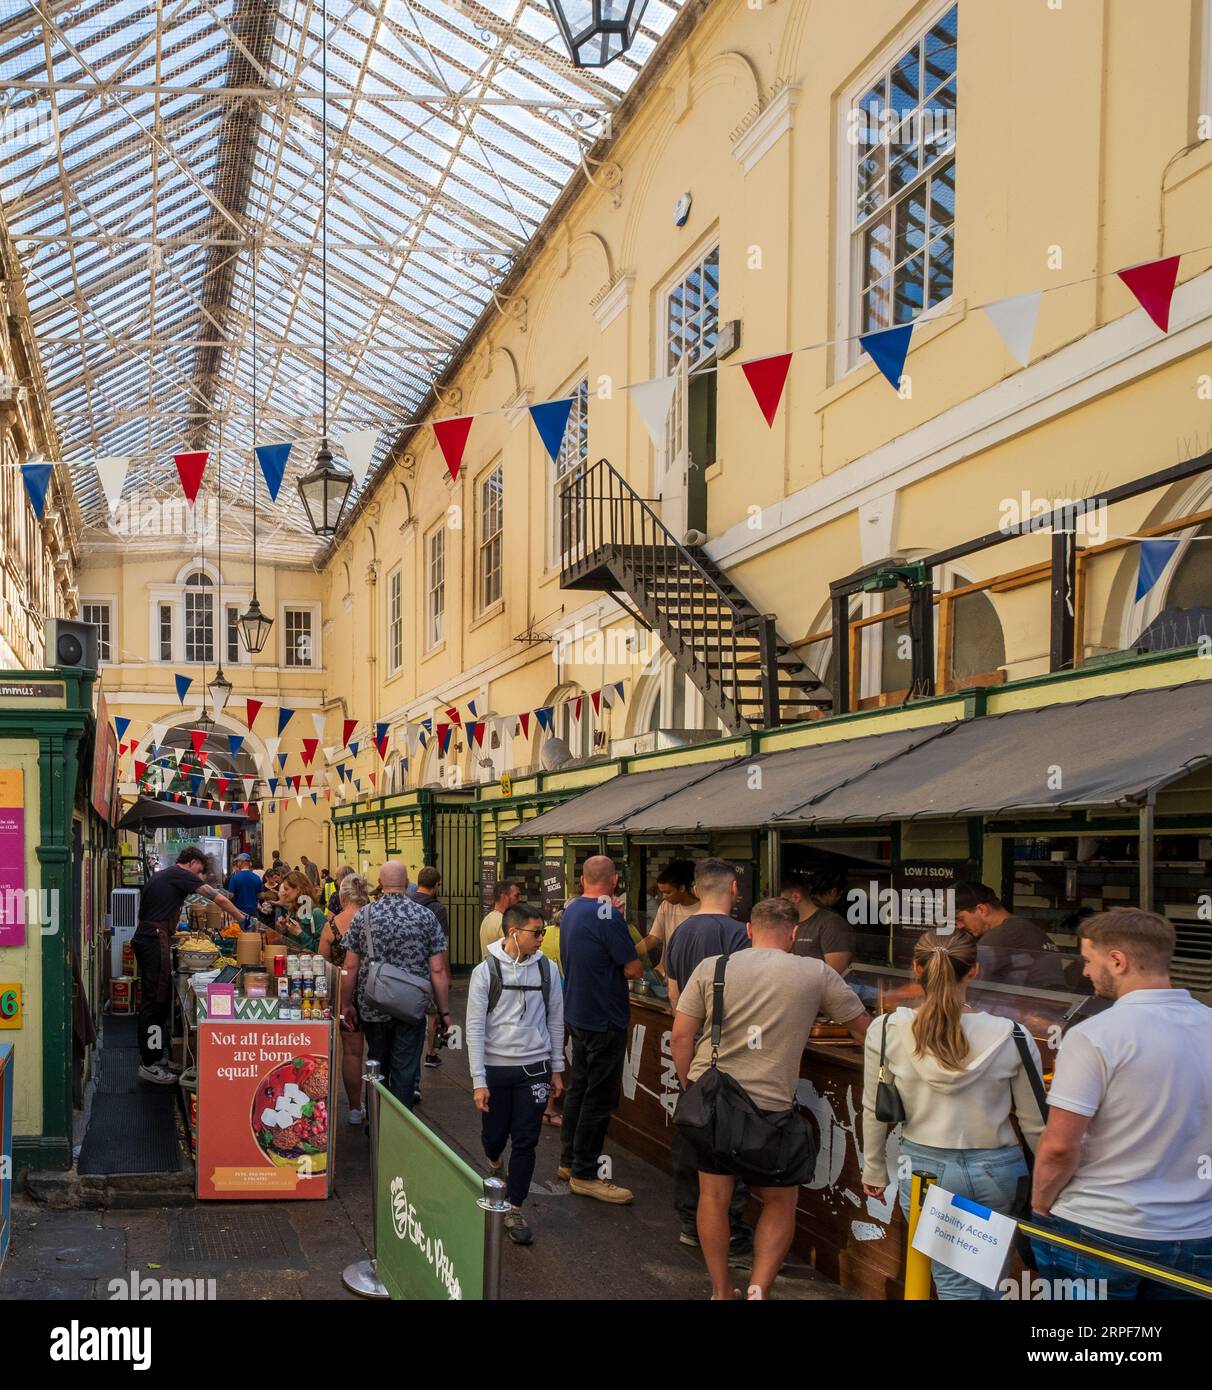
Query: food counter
[(849, 1237)]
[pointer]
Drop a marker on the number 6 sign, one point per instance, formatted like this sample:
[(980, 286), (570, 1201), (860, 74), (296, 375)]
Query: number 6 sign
[(10, 1006)]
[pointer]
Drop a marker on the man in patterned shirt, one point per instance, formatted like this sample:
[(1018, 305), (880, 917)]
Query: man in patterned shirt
[(401, 932)]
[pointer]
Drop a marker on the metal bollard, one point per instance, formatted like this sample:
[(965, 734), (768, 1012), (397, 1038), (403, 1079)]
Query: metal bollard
[(362, 1277), (917, 1265), (496, 1204)]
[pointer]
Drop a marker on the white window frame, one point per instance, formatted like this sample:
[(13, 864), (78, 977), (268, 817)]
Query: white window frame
[(209, 590), (313, 610), (241, 656), (849, 237), (395, 621), (574, 455), (485, 540), (435, 588), (674, 451), (110, 610)]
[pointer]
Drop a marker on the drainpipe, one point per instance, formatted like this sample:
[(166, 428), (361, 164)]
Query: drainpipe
[(1147, 808)]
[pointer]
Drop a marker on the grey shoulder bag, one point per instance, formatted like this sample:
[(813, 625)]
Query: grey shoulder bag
[(395, 991)]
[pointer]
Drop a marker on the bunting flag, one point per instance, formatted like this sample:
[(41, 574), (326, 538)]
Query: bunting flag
[(309, 750), (472, 709), (121, 749), (112, 472), (888, 349), (766, 377), (545, 716), (1154, 557), (653, 400), (576, 711), (248, 785), (140, 770), (477, 733), (202, 756), (219, 698), (596, 698), (551, 421), (313, 798), (284, 717), (381, 739), (271, 747), (452, 440), (1014, 319), (353, 749), (454, 716), (1153, 286), (37, 480), (443, 737), (346, 730), (134, 743), (190, 468), (121, 724), (221, 785), (234, 743), (317, 723), (359, 449), (524, 721), (272, 458), (309, 778), (273, 785), (282, 759), (197, 737), (251, 709), (183, 684), (156, 734), (357, 784), (195, 782), (427, 725), (618, 685), (373, 779)]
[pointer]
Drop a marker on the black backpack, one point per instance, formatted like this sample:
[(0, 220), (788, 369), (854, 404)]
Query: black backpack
[(496, 982)]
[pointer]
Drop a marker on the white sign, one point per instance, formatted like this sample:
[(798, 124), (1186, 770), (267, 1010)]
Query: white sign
[(964, 1236)]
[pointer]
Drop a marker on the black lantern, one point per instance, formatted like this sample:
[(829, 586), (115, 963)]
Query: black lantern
[(325, 490), (254, 627), (596, 32)]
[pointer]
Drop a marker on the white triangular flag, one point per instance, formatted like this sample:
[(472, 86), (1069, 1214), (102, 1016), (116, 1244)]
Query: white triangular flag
[(608, 696), (1014, 319), (272, 745), (317, 721), (218, 698), (248, 786), (653, 400), (112, 472), (359, 447), (156, 733)]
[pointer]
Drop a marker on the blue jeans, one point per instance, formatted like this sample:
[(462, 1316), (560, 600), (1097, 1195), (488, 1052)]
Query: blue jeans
[(397, 1047), (1192, 1257), (996, 1178)]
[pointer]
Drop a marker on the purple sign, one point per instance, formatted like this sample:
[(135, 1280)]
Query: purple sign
[(12, 858)]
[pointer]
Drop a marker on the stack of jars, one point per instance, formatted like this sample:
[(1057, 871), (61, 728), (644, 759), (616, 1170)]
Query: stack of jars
[(303, 989)]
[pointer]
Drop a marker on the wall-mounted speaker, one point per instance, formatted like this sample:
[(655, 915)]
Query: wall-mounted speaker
[(71, 646)]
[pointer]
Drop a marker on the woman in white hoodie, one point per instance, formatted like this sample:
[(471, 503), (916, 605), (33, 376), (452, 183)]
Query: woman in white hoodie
[(959, 1073), (515, 1046)]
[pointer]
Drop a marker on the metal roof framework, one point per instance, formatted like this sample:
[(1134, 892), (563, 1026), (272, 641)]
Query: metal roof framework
[(163, 157)]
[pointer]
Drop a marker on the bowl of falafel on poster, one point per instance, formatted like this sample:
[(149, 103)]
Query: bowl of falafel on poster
[(290, 1115)]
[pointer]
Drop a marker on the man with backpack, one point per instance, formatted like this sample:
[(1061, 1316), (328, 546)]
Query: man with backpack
[(515, 1046)]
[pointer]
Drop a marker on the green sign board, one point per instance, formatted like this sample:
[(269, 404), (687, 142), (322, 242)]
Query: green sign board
[(429, 1232)]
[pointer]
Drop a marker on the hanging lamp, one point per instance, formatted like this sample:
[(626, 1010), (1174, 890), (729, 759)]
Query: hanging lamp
[(596, 32)]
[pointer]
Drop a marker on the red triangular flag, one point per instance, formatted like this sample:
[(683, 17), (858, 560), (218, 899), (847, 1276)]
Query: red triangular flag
[(198, 738), (309, 750), (477, 732), (134, 743), (121, 749), (454, 716), (767, 377), (348, 728), (202, 757), (524, 721), (372, 779), (190, 468), (140, 769), (596, 697), (221, 785), (1153, 286), (452, 440), (252, 709)]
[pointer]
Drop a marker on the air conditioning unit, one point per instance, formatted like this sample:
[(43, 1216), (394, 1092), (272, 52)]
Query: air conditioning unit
[(124, 918)]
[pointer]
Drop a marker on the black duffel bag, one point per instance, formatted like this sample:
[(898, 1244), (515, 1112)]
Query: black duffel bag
[(727, 1131)]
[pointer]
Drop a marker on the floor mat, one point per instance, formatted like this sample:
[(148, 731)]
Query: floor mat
[(134, 1133)]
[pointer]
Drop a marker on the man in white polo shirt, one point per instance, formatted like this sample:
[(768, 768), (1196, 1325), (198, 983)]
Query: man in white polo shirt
[(1124, 1160)]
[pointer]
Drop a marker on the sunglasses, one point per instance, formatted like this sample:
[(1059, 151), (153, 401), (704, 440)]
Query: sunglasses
[(539, 932)]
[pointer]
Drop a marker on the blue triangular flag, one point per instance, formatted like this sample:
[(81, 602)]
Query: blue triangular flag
[(183, 684), (471, 706), (353, 749), (195, 782), (273, 784), (235, 742), (1154, 557), (120, 726), (37, 479), (357, 784), (551, 420), (888, 349), (427, 725), (284, 717), (544, 716), (423, 739), (282, 759), (272, 458), (313, 798)]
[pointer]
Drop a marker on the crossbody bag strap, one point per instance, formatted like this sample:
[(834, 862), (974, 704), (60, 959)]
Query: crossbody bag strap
[(370, 936), (717, 1007), (884, 1044), (1033, 1076)]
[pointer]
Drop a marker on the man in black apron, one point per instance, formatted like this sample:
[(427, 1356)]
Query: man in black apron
[(160, 903)]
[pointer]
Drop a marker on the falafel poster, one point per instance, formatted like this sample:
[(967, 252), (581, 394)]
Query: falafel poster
[(265, 1098)]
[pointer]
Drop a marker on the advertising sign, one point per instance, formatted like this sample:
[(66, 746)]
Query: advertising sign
[(12, 857), (553, 892), (429, 1231), (104, 791), (10, 1005), (964, 1236), (488, 883), (266, 1095)]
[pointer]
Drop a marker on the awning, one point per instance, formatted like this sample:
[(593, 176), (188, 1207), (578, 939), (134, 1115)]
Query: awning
[(1103, 752), (603, 807), (149, 814), (751, 792)]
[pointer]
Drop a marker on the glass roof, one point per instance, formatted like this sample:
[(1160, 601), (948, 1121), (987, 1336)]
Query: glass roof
[(164, 159)]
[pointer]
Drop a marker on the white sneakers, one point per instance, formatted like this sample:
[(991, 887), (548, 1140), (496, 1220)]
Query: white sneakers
[(158, 1075), (356, 1117)]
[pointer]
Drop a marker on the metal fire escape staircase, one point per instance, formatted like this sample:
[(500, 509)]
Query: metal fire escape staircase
[(613, 541)]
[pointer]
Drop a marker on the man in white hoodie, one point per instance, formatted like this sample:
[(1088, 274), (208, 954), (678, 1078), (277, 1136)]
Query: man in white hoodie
[(515, 1045)]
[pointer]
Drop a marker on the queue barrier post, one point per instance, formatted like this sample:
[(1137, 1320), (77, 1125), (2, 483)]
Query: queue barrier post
[(495, 1203), (362, 1277), (917, 1265)]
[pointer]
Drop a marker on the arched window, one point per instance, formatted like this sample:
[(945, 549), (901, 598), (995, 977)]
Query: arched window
[(667, 700), (577, 733), (199, 618)]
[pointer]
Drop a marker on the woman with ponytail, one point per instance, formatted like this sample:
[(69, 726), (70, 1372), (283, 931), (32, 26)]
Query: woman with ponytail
[(959, 1075)]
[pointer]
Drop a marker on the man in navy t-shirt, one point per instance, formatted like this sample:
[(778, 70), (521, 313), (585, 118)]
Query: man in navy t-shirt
[(711, 931), (244, 886), (598, 959)]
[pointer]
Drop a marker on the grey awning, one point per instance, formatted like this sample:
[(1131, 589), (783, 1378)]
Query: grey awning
[(1104, 752), (752, 792), (602, 807)]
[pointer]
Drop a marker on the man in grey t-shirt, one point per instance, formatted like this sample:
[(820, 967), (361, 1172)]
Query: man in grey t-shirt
[(1011, 950)]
